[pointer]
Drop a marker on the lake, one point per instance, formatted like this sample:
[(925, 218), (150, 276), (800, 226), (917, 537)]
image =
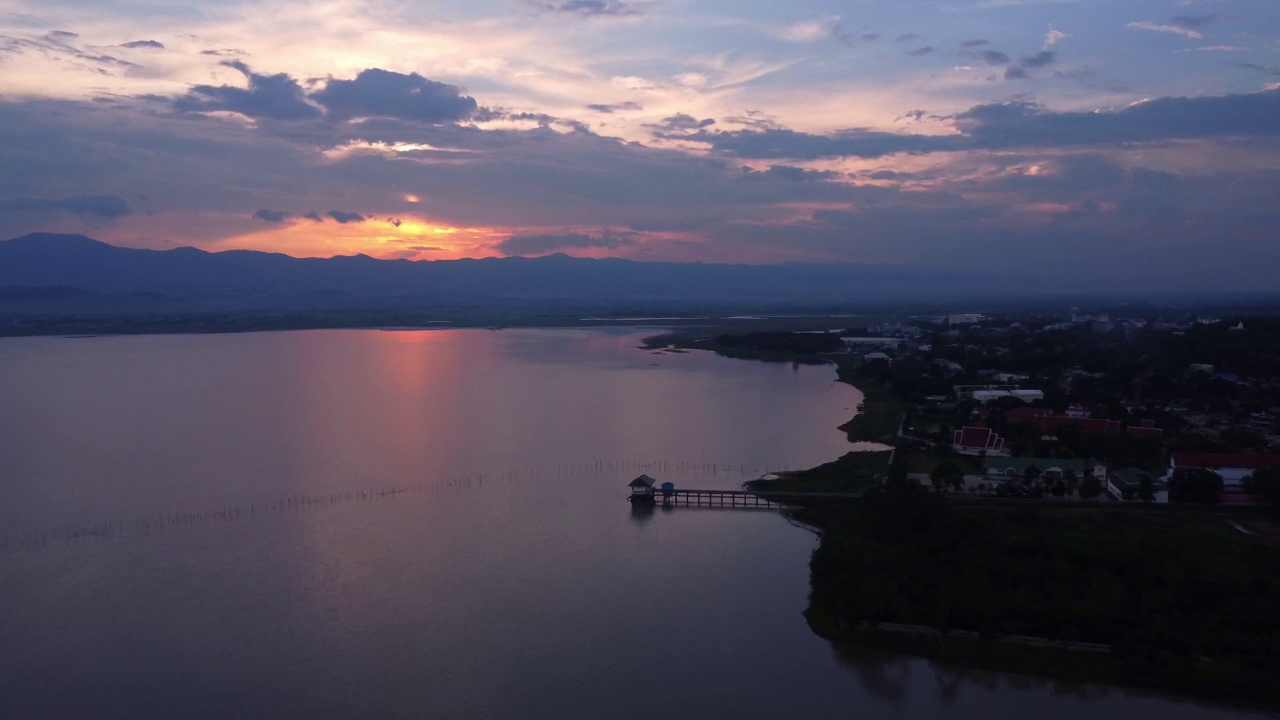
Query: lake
[(368, 524)]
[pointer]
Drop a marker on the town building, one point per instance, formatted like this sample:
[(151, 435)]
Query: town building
[(1125, 485), (1233, 467), (1051, 469), (978, 441)]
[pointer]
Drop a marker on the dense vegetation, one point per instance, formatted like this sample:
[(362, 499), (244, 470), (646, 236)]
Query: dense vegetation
[(1187, 603)]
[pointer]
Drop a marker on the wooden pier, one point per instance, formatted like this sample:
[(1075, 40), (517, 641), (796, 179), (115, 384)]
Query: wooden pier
[(741, 499)]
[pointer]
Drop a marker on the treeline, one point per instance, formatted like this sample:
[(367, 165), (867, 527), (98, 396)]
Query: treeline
[(1187, 603), (782, 342)]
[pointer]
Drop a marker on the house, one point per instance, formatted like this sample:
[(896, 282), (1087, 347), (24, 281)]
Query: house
[(1124, 484), (985, 396), (877, 358), (978, 441), (642, 489), (966, 392), (855, 343), (1233, 467), (950, 366), (1011, 468), (1147, 428)]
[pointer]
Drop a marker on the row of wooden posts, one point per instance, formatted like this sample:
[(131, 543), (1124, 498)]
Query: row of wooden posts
[(155, 521)]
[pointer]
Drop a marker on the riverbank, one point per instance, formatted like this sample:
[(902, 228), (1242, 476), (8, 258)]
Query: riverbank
[(1184, 603)]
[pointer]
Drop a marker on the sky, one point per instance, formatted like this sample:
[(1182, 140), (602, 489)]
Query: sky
[(1094, 144)]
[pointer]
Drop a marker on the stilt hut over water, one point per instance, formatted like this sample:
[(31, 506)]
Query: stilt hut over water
[(642, 489)]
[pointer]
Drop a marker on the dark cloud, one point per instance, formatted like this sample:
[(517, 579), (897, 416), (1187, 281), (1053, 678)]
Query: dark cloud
[(908, 38), (790, 173), (342, 217), (382, 93), (679, 123), (616, 107), (313, 215), (783, 143), (1040, 59), (224, 52), (1273, 71), (987, 57), (144, 44), (104, 206), (278, 97), (1194, 22), (975, 43), (920, 51), (1020, 124), (61, 42), (541, 244), (107, 206), (590, 8), (1044, 58), (271, 216), (1026, 124)]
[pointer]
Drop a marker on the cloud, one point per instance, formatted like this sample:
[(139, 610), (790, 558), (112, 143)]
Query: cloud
[(144, 44), (1053, 37), (908, 38), (988, 57), (1021, 124), (679, 123), (975, 43), (1025, 124), (62, 43), (342, 217), (920, 51), (313, 215), (271, 216), (615, 107), (784, 143), (1193, 22), (1041, 59), (103, 206), (1170, 29), (790, 173), (382, 93), (541, 244), (278, 97), (591, 8)]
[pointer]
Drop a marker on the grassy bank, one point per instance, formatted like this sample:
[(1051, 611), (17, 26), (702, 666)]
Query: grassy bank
[(855, 472)]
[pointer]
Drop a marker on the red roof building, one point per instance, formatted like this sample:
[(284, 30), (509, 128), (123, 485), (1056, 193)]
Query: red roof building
[(978, 441)]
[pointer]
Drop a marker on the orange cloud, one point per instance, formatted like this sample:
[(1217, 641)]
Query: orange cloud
[(410, 237)]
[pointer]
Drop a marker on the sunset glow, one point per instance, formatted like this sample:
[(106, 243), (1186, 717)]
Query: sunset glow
[(965, 132)]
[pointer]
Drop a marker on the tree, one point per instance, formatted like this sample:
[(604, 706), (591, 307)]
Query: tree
[(1195, 485), (1030, 475), (946, 474), (1090, 486), (1071, 481), (1146, 489), (1265, 483)]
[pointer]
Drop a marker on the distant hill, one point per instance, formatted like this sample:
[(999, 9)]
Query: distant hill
[(49, 260)]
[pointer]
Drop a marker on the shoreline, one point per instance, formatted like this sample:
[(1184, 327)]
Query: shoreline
[(1028, 654)]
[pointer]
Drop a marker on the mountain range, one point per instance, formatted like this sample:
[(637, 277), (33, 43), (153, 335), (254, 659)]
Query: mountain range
[(47, 260)]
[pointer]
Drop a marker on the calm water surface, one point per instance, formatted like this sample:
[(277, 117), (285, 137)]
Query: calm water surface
[(506, 577)]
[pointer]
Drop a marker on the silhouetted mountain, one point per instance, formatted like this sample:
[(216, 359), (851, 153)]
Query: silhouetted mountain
[(75, 261)]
